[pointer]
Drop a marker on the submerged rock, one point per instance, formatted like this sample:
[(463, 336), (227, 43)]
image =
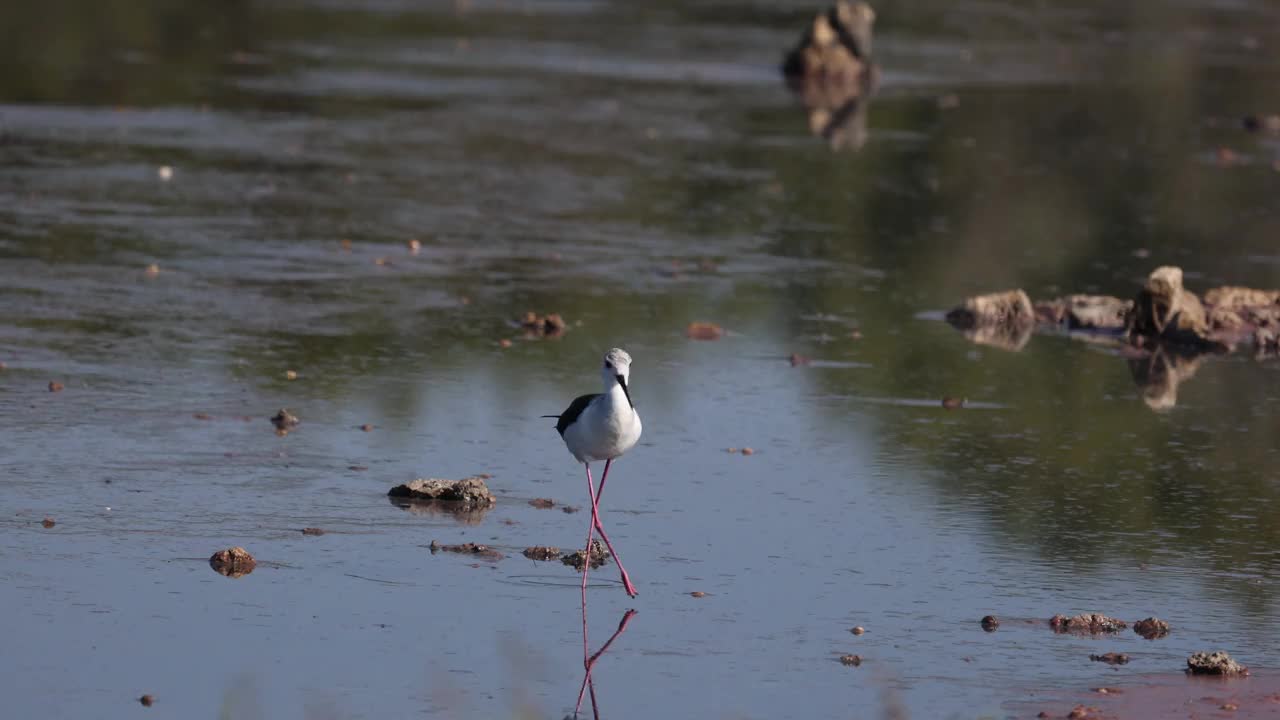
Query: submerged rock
[(284, 420), (471, 491), (542, 552), (1151, 628), (1111, 658), (535, 325), (577, 560), (1092, 312), (233, 562), (1214, 663), (990, 623), (853, 660), (482, 551), (703, 331), (1091, 623)]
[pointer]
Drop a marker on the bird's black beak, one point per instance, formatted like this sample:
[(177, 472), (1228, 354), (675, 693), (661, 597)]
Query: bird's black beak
[(623, 382)]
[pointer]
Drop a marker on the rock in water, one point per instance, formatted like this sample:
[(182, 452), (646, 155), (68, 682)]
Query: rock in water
[(576, 560), (831, 71), (1087, 623), (1151, 628), (542, 552), (1096, 312), (1164, 310), (233, 562), (1004, 319), (1011, 307), (470, 491), (1214, 663), (837, 44)]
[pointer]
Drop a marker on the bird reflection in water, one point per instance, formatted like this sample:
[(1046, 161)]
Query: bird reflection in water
[(589, 660)]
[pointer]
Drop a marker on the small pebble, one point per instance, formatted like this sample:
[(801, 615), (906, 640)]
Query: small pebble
[(854, 660), (704, 331), (48, 523), (990, 623), (312, 531), (748, 451), (358, 468), (415, 246), (952, 403), (55, 386), (284, 420), (504, 343), (858, 630), (290, 375), (346, 245), (152, 270), (366, 427), (382, 262), (697, 594), (147, 700), (202, 416), (798, 360), (856, 335), (165, 173), (1229, 707)]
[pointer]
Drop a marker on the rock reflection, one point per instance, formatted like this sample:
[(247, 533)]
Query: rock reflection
[(1159, 374), (464, 514), (832, 74)]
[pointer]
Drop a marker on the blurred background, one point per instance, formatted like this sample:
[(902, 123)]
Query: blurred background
[(198, 198)]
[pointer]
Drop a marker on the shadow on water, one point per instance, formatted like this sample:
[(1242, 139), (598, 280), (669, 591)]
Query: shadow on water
[(370, 195)]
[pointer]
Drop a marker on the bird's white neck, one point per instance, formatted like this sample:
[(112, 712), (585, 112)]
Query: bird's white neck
[(616, 396)]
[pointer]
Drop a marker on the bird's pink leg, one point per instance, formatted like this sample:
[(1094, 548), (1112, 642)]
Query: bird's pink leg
[(586, 561), (595, 519)]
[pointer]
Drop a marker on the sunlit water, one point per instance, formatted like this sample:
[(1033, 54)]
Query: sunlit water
[(634, 168)]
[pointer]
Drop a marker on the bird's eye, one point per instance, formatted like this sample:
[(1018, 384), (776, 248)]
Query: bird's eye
[(608, 364)]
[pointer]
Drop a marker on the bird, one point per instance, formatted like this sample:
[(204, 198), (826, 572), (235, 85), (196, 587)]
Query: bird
[(602, 426)]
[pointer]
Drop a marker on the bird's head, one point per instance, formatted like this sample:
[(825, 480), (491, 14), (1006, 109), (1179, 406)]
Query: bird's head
[(617, 368)]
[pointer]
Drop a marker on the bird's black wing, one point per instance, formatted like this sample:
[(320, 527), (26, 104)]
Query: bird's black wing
[(575, 409)]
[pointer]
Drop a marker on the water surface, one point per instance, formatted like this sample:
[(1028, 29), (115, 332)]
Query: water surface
[(635, 168)]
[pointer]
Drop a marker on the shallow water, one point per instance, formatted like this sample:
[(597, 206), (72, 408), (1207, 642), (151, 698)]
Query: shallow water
[(634, 168)]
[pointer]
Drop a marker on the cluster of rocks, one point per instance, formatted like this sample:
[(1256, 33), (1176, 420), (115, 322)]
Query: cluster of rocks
[(1167, 328), (1162, 314)]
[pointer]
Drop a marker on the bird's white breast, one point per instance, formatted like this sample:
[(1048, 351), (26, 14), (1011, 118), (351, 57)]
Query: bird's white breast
[(605, 430)]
